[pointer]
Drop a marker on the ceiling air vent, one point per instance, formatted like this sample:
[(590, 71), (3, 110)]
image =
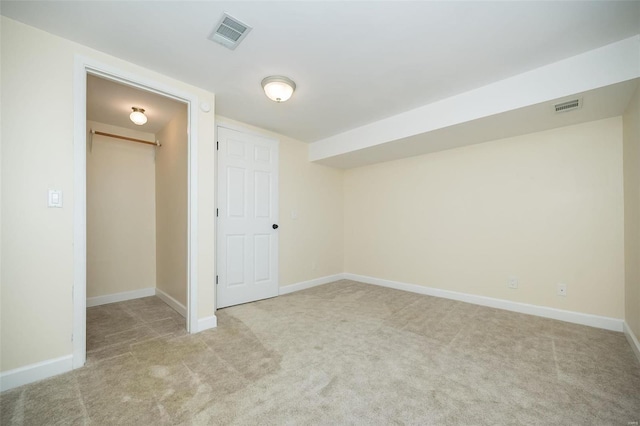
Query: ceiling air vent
[(229, 32), (569, 106)]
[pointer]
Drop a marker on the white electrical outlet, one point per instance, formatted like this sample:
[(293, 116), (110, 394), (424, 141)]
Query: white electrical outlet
[(512, 282), (561, 289)]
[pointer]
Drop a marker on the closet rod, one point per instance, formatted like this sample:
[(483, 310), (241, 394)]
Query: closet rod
[(111, 135)]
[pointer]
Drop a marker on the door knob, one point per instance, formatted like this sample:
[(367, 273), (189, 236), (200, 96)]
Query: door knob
[(274, 226)]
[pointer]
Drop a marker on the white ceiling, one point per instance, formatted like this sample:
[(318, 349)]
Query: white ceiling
[(604, 102), (110, 103), (353, 62)]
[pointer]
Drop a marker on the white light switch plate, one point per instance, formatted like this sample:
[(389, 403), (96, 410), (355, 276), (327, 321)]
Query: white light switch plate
[(55, 198)]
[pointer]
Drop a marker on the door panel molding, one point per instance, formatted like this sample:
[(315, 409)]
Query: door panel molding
[(247, 212)]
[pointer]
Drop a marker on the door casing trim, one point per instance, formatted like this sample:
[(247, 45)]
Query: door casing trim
[(82, 67)]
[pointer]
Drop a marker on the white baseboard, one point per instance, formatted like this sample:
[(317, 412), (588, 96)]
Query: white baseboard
[(597, 321), (606, 323), (120, 297), (34, 372), (206, 323), (633, 340), (308, 284), (177, 306)]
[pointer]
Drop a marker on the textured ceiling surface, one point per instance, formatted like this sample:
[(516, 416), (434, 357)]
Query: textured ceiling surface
[(110, 103), (353, 62)]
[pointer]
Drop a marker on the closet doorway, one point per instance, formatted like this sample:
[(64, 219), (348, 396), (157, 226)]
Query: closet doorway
[(134, 240)]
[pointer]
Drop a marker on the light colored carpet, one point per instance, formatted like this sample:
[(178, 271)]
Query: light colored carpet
[(342, 353)]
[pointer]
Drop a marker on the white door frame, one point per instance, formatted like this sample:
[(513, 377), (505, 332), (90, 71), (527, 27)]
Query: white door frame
[(82, 67), (238, 128)]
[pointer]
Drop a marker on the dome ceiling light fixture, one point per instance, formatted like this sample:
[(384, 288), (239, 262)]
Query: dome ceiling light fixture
[(137, 116), (278, 88)]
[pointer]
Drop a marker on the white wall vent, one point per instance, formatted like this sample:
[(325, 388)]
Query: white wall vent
[(569, 106), (229, 31)]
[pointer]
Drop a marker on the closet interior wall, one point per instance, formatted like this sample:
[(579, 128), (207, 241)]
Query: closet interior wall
[(137, 213), (171, 185), (121, 217)]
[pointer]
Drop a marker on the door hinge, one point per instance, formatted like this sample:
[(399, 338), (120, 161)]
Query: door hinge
[(216, 212), (216, 279), (217, 145)]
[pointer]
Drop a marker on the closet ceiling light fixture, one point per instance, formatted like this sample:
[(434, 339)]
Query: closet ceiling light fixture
[(137, 116), (278, 88)]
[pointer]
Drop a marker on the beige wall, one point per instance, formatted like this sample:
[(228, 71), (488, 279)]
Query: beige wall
[(171, 208), (631, 149), (37, 154), (311, 246), (121, 222), (545, 207)]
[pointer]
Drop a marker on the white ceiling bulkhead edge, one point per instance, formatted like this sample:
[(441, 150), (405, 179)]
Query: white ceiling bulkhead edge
[(516, 105)]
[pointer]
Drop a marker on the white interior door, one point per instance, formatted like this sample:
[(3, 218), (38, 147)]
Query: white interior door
[(247, 259)]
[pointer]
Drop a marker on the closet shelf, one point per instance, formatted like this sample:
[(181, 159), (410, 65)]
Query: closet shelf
[(126, 138)]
